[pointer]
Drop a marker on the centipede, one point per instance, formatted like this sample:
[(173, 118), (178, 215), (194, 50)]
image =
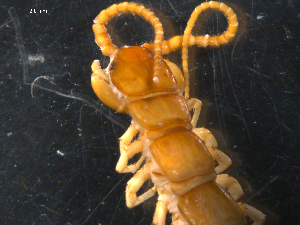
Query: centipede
[(182, 160)]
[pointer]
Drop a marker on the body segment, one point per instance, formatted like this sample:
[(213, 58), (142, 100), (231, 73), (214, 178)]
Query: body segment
[(210, 204), (182, 155)]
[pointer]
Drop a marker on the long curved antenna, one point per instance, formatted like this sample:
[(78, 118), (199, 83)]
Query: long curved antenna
[(104, 42), (206, 40)]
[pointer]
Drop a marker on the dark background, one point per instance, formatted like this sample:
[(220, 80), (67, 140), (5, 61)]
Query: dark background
[(59, 144)]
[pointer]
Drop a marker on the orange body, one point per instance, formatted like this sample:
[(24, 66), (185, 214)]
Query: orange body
[(162, 115), (180, 158)]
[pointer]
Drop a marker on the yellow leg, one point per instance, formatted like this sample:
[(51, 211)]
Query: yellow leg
[(160, 213), (128, 150), (196, 105), (134, 184), (254, 214), (231, 184), (207, 137)]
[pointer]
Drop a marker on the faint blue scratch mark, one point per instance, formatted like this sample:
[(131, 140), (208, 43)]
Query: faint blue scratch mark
[(258, 73), (51, 87), (104, 199), (16, 22), (252, 11), (270, 97), (87, 10), (237, 101), (224, 94), (117, 208), (252, 18), (287, 32), (263, 188), (141, 221), (84, 158), (51, 210), (173, 9), (216, 88), (235, 43), (47, 218)]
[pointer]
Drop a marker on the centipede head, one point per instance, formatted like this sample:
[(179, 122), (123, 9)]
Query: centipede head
[(130, 73)]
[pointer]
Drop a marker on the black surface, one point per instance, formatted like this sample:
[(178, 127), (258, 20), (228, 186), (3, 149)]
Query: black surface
[(59, 145)]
